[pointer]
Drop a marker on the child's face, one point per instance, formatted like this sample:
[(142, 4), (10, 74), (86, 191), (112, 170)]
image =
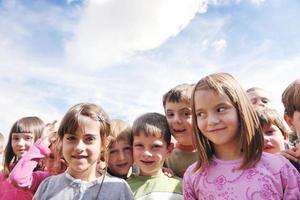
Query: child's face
[(273, 139), (149, 153), (21, 142), (120, 157), (259, 98), (82, 150), (294, 122), (179, 117), (217, 119)]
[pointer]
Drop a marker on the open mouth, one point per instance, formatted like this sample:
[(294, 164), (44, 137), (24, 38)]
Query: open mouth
[(147, 162), (79, 157)]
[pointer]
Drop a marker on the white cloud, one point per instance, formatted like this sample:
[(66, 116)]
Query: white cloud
[(219, 45), (112, 30)]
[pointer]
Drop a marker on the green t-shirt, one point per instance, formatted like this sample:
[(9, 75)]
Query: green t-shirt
[(159, 187)]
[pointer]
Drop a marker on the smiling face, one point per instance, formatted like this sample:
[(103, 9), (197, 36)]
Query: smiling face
[(217, 120), (273, 139), (82, 149), (120, 157), (21, 142), (179, 117), (150, 153)]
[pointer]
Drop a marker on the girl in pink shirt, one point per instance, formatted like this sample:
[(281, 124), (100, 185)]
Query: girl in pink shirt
[(23, 134), (228, 137)]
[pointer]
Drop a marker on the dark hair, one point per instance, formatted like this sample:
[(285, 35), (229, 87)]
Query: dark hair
[(291, 98), (32, 125), (180, 93), (152, 124)]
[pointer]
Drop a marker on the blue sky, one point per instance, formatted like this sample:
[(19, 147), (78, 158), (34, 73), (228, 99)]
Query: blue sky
[(125, 54)]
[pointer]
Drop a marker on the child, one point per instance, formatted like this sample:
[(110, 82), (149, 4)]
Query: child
[(1, 150), (120, 157), (177, 106), (291, 102), (228, 135), (151, 146), (275, 131), (83, 131), (259, 97), (23, 134), (44, 149)]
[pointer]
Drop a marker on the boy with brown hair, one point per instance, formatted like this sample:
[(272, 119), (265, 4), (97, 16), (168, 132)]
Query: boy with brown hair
[(151, 147), (177, 107), (291, 103)]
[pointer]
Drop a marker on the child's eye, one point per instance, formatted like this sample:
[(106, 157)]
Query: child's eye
[(71, 137), (221, 109), (15, 138), (27, 138), (170, 115), (138, 145), (156, 146), (200, 114), (90, 139), (265, 100), (113, 151)]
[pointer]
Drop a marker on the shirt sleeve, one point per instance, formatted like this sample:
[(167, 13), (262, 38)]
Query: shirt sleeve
[(188, 190), (291, 181), (22, 174)]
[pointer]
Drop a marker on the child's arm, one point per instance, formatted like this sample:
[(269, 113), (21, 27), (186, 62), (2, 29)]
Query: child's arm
[(292, 153), (22, 173)]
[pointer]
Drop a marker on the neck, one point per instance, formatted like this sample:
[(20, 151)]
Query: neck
[(227, 153), (189, 148), (88, 175)]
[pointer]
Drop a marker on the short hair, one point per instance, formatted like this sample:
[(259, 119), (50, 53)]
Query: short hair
[(291, 98), (180, 93), (152, 124), (254, 89), (73, 119), (251, 138), (270, 116), (120, 130)]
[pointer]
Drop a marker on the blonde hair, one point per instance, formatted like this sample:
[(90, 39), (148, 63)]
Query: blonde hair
[(291, 98), (120, 130), (250, 140), (1, 140), (32, 125), (152, 124), (180, 93), (270, 116)]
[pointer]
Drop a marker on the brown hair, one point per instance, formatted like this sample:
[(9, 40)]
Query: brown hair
[(152, 124), (291, 98), (270, 116), (73, 120), (32, 125), (250, 140), (1, 140), (180, 93)]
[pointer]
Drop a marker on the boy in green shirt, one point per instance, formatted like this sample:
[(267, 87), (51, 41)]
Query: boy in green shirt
[(151, 147)]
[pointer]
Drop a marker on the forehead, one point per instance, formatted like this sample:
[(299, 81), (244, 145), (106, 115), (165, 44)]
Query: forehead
[(177, 105), (148, 137), (207, 98), (22, 134), (258, 94), (119, 142)]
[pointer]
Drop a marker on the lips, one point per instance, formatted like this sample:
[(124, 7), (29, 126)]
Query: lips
[(268, 146), (79, 157), (147, 162), (216, 130), (121, 165)]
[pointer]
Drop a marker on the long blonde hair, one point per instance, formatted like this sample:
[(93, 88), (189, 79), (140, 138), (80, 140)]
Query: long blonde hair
[(250, 140)]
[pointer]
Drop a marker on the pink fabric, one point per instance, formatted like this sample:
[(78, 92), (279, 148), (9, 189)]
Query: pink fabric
[(272, 178), (23, 182)]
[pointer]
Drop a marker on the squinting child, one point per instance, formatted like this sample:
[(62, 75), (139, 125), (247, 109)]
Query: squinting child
[(22, 136), (228, 135), (120, 157), (276, 134), (259, 97), (151, 146), (177, 106), (83, 131)]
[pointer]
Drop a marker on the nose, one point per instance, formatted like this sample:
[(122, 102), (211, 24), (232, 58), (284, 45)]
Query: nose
[(80, 146), (212, 119), (177, 118), (266, 139), (121, 155), (147, 153), (21, 142)]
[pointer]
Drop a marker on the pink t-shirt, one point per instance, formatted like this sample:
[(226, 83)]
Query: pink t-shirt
[(273, 177), (23, 182)]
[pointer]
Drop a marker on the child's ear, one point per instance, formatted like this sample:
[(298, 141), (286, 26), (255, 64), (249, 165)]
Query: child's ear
[(170, 149), (289, 121)]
